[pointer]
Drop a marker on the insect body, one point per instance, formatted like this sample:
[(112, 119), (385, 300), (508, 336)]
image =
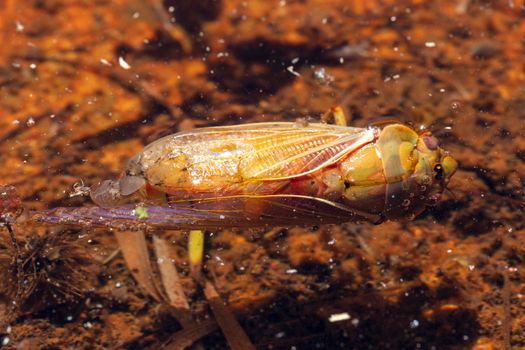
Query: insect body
[(272, 173)]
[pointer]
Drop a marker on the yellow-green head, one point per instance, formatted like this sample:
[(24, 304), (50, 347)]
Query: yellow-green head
[(416, 170)]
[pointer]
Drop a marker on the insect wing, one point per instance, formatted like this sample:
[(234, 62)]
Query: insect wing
[(292, 154), (213, 213), (283, 209), (260, 152)]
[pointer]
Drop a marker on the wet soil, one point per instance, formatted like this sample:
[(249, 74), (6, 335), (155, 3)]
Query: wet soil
[(84, 85)]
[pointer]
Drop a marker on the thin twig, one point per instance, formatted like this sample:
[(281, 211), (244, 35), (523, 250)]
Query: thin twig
[(507, 320), (170, 279), (233, 332), (190, 335), (13, 238), (176, 31), (111, 256), (135, 251)]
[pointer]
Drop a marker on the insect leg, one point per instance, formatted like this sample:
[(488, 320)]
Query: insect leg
[(337, 113), (10, 210), (339, 116), (13, 239), (195, 253)]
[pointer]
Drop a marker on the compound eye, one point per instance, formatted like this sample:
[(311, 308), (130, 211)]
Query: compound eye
[(439, 172), (431, 142)]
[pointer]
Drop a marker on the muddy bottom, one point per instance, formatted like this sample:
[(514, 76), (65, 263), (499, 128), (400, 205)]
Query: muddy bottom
[(85, 85)]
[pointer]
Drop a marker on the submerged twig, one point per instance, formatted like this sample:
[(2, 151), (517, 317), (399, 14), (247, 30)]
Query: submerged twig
[(13, 238), (190, 335), (44, 271), (176, 31), (135, 252), (170, 280), (235, 335), (112, 256), (507, 320)]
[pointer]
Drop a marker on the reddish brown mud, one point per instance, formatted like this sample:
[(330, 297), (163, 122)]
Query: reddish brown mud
[(85, 84)]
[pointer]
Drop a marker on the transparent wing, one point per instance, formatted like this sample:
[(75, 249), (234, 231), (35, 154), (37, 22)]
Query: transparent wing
[(288, 155), (263, 151), (213, 213)]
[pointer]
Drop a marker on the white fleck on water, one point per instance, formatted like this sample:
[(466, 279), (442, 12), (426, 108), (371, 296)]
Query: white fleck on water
[(339, 317), (291, 70), (19, 26), (122, 62)]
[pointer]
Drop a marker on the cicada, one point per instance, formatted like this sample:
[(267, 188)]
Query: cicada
[(260, 174)]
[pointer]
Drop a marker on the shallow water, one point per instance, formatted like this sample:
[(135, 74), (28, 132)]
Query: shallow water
[(85, 85)]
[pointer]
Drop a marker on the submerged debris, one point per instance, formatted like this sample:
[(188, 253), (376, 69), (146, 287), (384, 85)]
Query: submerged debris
[(47, 271), (69, 110)]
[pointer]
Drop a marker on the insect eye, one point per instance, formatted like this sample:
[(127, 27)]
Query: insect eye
[(431, 142), (438, 172)]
